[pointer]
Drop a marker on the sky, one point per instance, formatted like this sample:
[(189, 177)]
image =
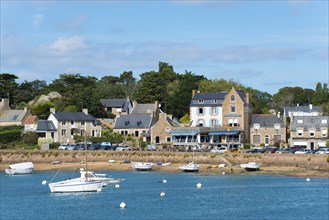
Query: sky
[(266, 45)]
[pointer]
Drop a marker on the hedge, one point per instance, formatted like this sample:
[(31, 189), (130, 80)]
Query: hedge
[(9, 136)]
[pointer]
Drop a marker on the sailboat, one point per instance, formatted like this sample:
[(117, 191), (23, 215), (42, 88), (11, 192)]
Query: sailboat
[(80, 184), (190, 167)]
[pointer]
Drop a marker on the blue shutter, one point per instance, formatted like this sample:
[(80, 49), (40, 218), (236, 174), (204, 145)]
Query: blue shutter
[(196, 122)]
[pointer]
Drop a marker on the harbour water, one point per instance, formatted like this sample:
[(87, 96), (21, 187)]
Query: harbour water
[(220, 197)]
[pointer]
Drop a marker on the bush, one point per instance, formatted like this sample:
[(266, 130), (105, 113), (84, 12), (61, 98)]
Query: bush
[(9, 136), (30, 138)]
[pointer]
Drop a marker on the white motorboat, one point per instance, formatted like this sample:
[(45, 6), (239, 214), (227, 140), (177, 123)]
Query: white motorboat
[(76, 185), (142, 166), (251, 166), (99, 176), (190, 167), (20, 168)]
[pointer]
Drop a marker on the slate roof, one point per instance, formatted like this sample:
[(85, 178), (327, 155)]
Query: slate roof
[(12, 116), (301, 109), (209, 97), (143, 108), (45, 125), (266, 120), (133, 121), (116, 103), (309, 122), (75, 116)]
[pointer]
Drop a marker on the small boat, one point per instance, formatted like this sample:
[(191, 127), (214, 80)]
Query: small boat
[(251, 166), (20, 168), (142, 166), (98, 176), (76, 185), (80, 184), (190, 167)]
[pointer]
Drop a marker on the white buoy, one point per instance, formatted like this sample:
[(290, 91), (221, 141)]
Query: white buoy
[(117, 186), (122, 205), (164, 181), (199, 185), (308, 180), (223, 173), (44, 182), (162, 194)]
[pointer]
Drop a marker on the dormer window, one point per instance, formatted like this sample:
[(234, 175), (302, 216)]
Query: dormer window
[(139, 122), (256, 126), (277, 126), (213, 101), (232, 98), (324, 121), (127, 122), (300, 121), (200, 101)]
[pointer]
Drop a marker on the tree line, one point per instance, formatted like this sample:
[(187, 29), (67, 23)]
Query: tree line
[(173, 91)]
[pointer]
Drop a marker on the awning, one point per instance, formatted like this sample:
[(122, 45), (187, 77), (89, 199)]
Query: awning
[(223, 132), (176, 133)]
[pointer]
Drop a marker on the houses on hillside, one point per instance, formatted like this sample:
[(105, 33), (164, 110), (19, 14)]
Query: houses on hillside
[(216, 119)]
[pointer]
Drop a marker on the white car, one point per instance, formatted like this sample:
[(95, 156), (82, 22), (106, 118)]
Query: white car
[(123, 148), (322, 150), (63, 147), (219, 150), (303, 151)]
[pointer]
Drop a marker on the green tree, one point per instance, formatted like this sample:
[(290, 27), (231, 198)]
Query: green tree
[(42, 110), (321, 94), (8, 85)]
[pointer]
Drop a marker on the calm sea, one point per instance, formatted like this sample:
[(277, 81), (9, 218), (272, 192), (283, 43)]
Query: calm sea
[(221, 197)]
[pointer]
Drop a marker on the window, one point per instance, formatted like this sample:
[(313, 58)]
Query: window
[(213, 111), (233, 108), (300, 132), (63, 122), (324, 133), (300, 121), (235, 122), (232, 98), (157, 140), (256, 139), (213, 122), (256, 126), (324, 121), (136, 133), (200, 101), (63, 132), (230, 122), (122, 132), (267, 140), (312, 133), (200, 111), (168, 139), (201, 123), (213, 101), (82, 123)]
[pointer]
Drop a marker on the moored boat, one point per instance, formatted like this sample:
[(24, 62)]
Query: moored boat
[(142, 166), (190, 167), (20, 168), (251, 166), (98, 176)]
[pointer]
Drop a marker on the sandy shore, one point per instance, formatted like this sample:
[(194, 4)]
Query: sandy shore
[(289, 165)]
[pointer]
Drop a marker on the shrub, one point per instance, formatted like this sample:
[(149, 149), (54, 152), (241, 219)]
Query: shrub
[(9, 136), (30, 138)]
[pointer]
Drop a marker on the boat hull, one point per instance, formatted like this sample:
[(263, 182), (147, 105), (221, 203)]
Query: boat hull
[(191, 167), (11, 171), (75, 185), (142, 166), (251, 166)]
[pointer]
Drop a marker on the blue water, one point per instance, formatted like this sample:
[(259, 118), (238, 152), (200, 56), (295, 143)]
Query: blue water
[(221, 197)]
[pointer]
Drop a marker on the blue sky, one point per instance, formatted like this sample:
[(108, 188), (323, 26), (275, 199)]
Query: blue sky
[(266, 45)]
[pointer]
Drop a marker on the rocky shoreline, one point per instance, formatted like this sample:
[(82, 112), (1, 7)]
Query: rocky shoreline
[(272, 164)]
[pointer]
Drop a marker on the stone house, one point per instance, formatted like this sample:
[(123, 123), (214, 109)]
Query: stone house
[(267, 129), (309, 131), (161, 130), (68, 124), (117, 106), (224, 118), (12, 117)]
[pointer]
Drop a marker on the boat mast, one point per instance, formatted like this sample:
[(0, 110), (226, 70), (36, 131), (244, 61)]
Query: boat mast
[(86, 171)]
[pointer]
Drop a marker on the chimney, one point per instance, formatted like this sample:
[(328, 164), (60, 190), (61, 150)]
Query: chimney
[(311, 106), (52, 110), (4, 104), (85, 110), (194, 92), (247, 98)]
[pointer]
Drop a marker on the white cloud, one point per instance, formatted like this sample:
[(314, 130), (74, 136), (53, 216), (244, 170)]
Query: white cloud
[(67, 44), (37, 20)]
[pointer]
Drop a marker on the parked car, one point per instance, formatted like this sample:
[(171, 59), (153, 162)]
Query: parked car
[(220, 150), (256, 150), (95, 146), (63, 146), (303, 151), (285, 151), (72, 147), (123, 148), (271, 150), (322, 150)]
